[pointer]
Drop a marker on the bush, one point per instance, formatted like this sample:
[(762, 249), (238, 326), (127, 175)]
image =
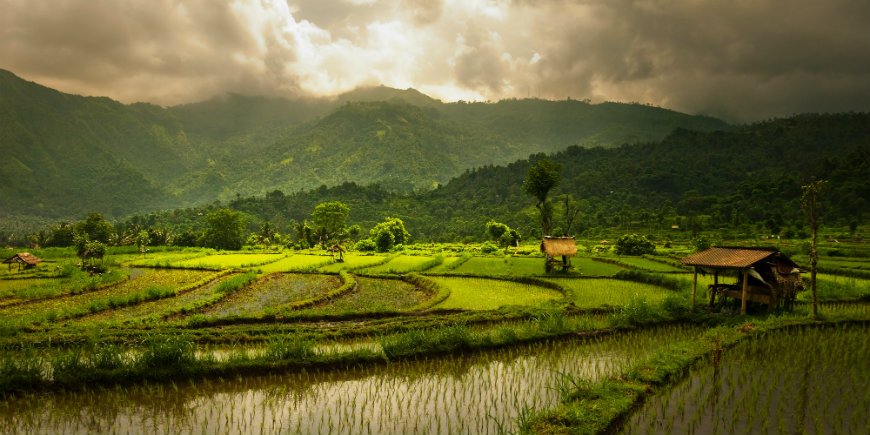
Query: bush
[(634, 244), (366, 245), (488, 248)]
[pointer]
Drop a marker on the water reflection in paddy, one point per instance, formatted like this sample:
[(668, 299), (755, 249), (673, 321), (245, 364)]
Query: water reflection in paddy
[(461, 394)]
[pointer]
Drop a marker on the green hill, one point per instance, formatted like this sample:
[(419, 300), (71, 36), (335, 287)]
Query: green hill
[(69, 155)]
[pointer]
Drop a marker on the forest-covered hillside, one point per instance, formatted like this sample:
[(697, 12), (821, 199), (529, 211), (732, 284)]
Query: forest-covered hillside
[(70, 155), (746, 180)]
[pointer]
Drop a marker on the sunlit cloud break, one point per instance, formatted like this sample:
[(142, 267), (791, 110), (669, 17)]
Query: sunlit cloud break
[(742, 60)]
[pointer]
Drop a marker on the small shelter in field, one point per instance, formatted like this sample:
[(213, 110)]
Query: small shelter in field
[(553, 247), (337, 249), (23, 259), (763, 275)]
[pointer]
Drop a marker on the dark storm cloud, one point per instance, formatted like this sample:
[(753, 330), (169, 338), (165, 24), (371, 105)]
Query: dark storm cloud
[(740, 59)]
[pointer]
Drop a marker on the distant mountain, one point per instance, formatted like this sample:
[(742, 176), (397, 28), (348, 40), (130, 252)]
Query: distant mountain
[(69, 155)]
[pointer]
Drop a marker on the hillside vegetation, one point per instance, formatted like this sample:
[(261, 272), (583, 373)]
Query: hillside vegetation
[(71, 155)]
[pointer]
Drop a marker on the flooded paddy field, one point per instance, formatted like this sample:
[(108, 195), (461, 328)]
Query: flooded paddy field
[(478, 393)]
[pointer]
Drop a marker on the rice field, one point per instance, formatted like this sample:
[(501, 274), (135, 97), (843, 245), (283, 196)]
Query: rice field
[(270, 293), (649, 265), (491, 294), (609, 293), (403, 264), (837, 288), (296, 263), (376, 295), (501, 266), (476, 394), (223, 261), (806, 380), (143, 286), (354, 261)]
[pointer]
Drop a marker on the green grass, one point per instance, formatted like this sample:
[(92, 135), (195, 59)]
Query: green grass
[(647, 264), (491, 294), (270, 292), (586, 266), (91, 302), (354, 261), (836, 288), (224, 261), (601, 293), (376, 295), (402, 264), (296, 263), (447, 266)]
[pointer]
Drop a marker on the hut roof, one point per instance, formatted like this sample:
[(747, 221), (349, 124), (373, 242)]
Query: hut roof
[(555, 246), (23, 257), (731, 257)]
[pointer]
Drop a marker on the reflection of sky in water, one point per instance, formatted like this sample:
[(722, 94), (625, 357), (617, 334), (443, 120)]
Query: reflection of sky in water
[(460, 394)]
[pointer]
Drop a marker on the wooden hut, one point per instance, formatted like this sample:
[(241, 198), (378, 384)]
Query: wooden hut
[(337, 249), (764, 275), (23, 259), (553, 247)]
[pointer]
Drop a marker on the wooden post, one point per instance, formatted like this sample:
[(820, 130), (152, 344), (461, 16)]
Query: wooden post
[(694, 285), (745, 291), (715, 287)]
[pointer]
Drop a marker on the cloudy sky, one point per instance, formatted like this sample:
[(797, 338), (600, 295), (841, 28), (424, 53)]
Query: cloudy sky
[(742, 60)]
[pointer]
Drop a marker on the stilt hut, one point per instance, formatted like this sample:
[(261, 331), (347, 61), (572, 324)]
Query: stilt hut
[(764, 275), (23, 259), (553, 247), (337, 249)]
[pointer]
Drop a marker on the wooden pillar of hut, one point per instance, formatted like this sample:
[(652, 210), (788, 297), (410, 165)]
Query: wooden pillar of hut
[(745, 291), (715, 287), (694, 285)]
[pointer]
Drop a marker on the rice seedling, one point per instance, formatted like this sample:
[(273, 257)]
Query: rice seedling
[(799, 380), (491, 294), (376, 295), (454, 394), (404, 264), (272, 291), (604, 293), (297, 263), (226, 261)]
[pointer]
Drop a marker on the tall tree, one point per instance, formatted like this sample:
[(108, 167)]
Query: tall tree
[(225, 229), (330, 220), (542, 177), (810, 204)]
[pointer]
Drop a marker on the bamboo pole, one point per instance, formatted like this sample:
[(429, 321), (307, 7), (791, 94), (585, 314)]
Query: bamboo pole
[(745, 291), (694, 285)]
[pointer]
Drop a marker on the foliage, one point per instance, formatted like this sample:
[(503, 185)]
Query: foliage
[(225, 229), (330, 221), (634, 244), (542, 177), (366, 245)]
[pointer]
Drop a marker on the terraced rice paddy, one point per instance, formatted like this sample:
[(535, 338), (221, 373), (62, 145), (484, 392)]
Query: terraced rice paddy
[(491, 294), (462, 394), (143, 286), (296, 263), (650, 265), (603, 293), (223, 261), (271, 292), (376, 295), (354, 261), (403, 264), (808, 380)]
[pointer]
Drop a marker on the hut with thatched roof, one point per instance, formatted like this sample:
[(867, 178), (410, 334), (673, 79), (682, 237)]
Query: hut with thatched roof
[(23, 259), (764, 275), (552, 247)]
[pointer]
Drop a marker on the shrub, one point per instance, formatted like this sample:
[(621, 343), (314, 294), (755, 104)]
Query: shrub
[(366, 245), (634, 244), (488, 248)]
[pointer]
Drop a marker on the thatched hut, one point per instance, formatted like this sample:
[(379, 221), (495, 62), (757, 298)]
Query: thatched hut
[(553, 247), (764, 275), (23, 259)]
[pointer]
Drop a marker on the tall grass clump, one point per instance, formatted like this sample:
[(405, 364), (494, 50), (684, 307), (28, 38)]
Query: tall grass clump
[(637, 312), (167, 353), (289, 348), (232, 284), (419, 341)]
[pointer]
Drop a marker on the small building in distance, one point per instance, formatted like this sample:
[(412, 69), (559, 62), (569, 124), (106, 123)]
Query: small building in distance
[(553, 247), (23, 259), (763, 275)]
